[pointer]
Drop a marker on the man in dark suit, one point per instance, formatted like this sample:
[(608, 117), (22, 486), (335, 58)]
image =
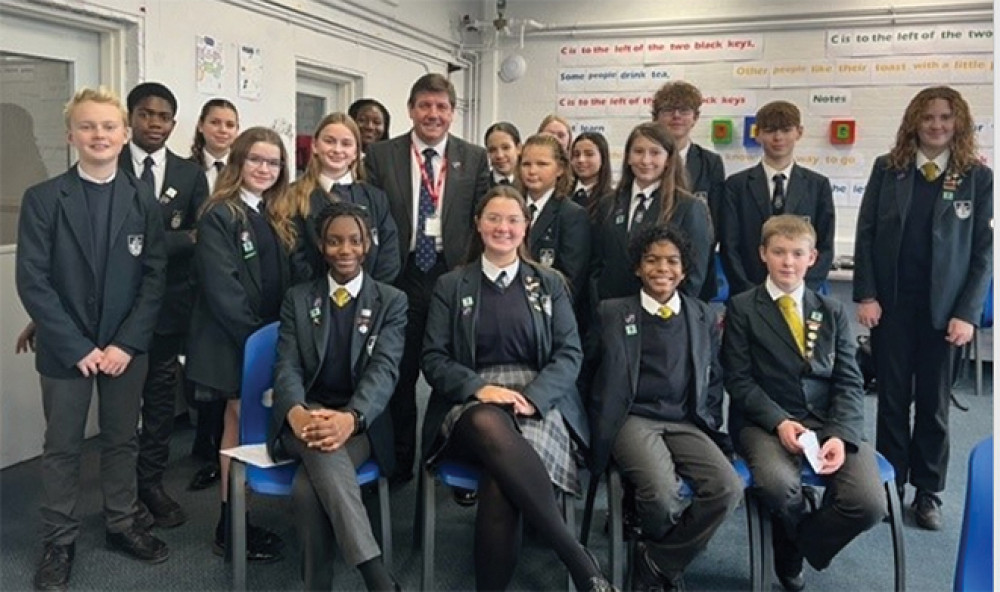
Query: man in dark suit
[(90, 273), (338, 358), (181, 189), (923, 261), (788, 358), (775, 186), (656, 408), (676, 107), (433, 181)]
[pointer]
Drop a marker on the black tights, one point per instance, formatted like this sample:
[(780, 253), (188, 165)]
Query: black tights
[(513, 484)]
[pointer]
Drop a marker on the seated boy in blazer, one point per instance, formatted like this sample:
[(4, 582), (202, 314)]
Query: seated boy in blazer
[(789, 364), (656, 409), (778, 185)]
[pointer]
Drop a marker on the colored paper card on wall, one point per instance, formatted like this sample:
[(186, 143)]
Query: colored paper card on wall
[(722, 131), (750, 132), (842, 131)]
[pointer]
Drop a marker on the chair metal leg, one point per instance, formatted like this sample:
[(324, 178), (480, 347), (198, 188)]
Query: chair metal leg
[(896, 524), (569, 516), (757, 566), (616, 529), (238, 523), (588, 509), (385, 521), (978, 350), (766, 554), (427, 502)]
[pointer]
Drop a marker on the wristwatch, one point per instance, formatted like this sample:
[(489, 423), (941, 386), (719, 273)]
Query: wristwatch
[(360, 423)]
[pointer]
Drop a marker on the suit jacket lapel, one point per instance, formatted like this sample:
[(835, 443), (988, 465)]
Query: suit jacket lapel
[(545, 219), (78, 215), (818, 342), (253, 263), (700, 347), (321, 330), (632, 316), (795, 189), (620, 212), (531, 282), (121, 203), (468, 306), (757, 180), (768, 310), (961, 193), (402, 148), (904, 191), (364, 316), (693, 164), (454, 155)]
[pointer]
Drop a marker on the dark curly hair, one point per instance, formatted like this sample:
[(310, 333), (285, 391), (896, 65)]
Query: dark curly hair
[(639, 245)]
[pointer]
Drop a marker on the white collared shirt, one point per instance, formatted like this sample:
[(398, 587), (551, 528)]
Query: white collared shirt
[(580, 185), (255, 201), (492, 271), (208, 162), (327, 183), (941, 161), (539, 203), (415, 165), (652, 306), (634, 203), (499, 177), (353, 286), (775, 292), (770, 172), (83, 175), (683, 153), (159, 165)]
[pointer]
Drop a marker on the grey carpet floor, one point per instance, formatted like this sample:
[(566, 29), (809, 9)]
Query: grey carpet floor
[(866, 564)]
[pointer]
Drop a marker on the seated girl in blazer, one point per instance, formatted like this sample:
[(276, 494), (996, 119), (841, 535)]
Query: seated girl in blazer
[(501, 354), (241, 265), (653, 189), (339, 348), (334, 173)]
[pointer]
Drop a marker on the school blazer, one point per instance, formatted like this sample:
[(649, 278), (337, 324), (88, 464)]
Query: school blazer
[(382, 261), (707, 178), (612, 273), (376, 349), (617, 379), (560, 238), (449, 352), (747, 205), (228, 300), (769, 380), (961, 242), (185, 189), (387, 165), (56, 276)]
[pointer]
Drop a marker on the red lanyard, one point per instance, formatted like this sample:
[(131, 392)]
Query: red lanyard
[(435, 191)]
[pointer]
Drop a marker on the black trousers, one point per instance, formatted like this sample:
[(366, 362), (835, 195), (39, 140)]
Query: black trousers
[(913, 366), (418, 286), (158, 403)]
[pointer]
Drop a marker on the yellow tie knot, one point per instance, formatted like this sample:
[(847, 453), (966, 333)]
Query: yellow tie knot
[(787, 305), (930, 170), (664, 312), (341, 297)]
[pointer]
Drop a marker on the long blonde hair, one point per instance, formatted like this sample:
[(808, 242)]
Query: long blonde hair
[(963, 144), (309, 181), (277, 202)]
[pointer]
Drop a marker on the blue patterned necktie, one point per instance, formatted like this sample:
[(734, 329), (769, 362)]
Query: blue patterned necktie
[(426, 253)]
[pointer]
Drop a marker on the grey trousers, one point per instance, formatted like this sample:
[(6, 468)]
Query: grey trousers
[(854, 500), (329, 509), (654, 456), (65, 403)]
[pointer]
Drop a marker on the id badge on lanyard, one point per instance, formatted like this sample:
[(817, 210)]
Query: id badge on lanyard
[(432, 226)]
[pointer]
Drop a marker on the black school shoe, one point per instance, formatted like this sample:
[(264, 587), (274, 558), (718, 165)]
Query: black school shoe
[(54, 568), (788, 560), (205, 477), (263, 546), (647, 577), (927, 510), (166, 512), (464, 497), (138, 543)]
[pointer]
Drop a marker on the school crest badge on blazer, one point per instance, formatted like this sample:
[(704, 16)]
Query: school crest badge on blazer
[(135, 244), (963, 209)]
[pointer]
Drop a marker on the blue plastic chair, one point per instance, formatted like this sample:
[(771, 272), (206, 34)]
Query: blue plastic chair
[(809, 477), (824, 288), (721, 283), (452, 474), (619, 553), (974, 568), (260, 354)]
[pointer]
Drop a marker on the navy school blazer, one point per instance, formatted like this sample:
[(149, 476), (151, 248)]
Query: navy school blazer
[(449, 352), (706, 179), (228, 296), (376, 348), (747, 205), (961, 241), (617, 356), (56, 276), (388, 167), (768, 378), (612, 275), (382, 261), (560, 238)]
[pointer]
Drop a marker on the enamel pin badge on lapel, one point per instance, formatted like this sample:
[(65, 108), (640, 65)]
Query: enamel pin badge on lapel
[(135, 244)]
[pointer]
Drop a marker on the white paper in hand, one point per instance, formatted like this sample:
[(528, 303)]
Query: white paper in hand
[(810, 448)]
